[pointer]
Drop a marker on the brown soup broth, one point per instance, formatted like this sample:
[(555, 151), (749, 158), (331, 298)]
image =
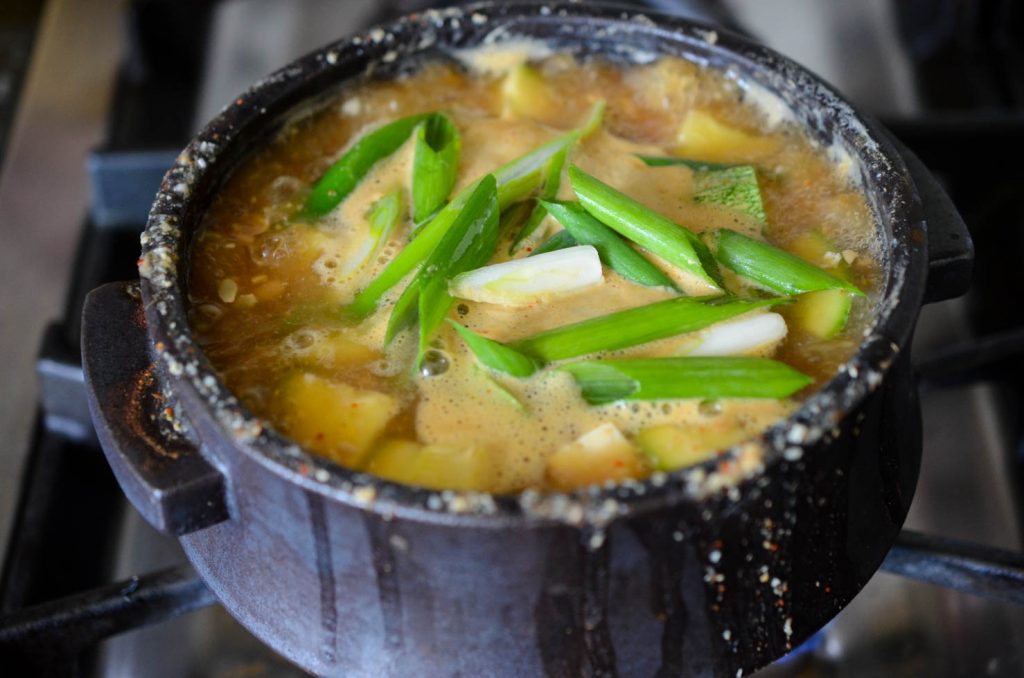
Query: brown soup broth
[(266, 293)]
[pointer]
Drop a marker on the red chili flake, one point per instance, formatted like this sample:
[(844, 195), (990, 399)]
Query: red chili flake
[(160, 347), (303, 470), (773, 547), (169, 411), (239, 101), (138, 262), (529, 249), (721, 588)]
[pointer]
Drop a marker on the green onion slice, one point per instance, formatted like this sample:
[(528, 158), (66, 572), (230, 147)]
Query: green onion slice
[(496, 355), (606, 381), (697, 165), (435, 165), (552, 182), (774, 269), (636, 326), (614, 251), (468, 244), (382, 216), (652, 231), (559, 241), (515, 180), (456, 243), (342, 177)]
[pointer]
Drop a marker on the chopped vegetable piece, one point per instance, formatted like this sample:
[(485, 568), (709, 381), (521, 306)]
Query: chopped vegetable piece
[(774, 269), (496, 355), (704, 137), (520, 282), (332, 417), (822, 314), (552, 182), (663, 161), (636, 326), (434, 165), (516, 180), (383, 216), (735, 188), (468, 242), (559, 241), (614, 251), (525, 94), (513, 218), (669, 447), (339, 180), (736, 337), (605, 381), (670, 241), (597, 456), (435, 466)]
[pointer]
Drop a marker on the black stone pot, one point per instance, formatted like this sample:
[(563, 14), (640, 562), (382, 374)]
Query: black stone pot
[(715, 570)]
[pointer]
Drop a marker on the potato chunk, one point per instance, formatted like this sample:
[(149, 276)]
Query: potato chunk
[(434, 466), (525, 94), (596, 456), (702, 137), (333, 418)]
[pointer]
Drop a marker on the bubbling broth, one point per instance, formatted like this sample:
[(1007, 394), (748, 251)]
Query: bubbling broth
[(548, 275)]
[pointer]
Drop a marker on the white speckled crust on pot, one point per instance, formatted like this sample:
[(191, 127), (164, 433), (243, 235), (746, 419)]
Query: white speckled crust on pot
[(773, 82)]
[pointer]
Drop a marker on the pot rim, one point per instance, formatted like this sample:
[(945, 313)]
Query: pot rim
[(165, 244)]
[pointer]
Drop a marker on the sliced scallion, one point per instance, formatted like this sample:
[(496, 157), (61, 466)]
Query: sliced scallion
[(515, 180), (343, 176), (496, 355), (635, 326), (467, 245), (559, 241), (552, 182), (605, 381), (697, 165), (614, 251), (435, 164), (670, 241), (526, 281), (382, 216), (773, 268)]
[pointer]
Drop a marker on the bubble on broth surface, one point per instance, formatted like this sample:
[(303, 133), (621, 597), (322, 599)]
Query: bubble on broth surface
[(435, 362)]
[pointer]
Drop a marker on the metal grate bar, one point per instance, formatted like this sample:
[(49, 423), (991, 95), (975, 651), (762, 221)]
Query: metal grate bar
[(962, 566), (35, 637)]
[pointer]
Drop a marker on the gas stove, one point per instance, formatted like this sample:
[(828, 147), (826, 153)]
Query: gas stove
[(88, 589)]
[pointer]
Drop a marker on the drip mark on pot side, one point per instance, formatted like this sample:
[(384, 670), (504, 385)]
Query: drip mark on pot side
[(388, 590), (325, 573), (597, 639)]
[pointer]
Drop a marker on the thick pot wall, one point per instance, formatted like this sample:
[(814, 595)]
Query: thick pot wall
[(696, 589)]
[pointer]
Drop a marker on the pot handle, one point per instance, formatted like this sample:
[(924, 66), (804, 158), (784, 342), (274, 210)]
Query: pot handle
[(160, 470), (950, 248)]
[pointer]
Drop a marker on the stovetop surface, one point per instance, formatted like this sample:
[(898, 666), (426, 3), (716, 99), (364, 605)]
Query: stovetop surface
[(50, 226)]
